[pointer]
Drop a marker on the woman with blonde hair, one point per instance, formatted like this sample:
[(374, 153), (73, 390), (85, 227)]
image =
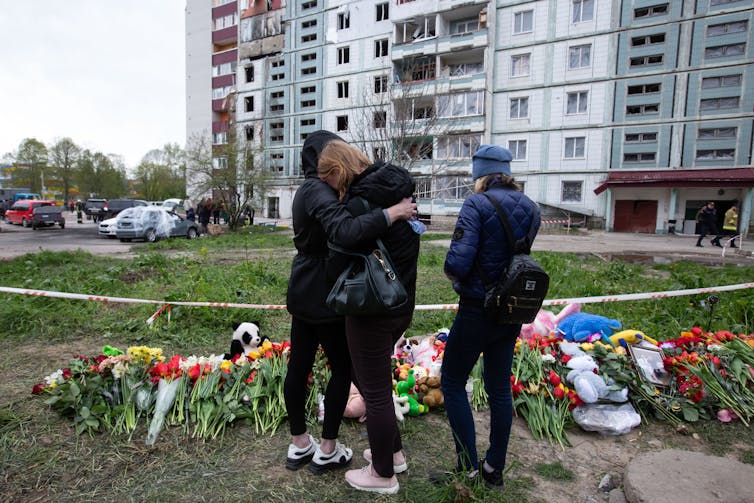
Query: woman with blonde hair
[(362, 186)]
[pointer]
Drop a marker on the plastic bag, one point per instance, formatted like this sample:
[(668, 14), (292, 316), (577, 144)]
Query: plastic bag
[(607, 419), (166, 392)]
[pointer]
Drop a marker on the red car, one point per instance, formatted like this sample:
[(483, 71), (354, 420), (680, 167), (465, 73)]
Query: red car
[(22, 211)]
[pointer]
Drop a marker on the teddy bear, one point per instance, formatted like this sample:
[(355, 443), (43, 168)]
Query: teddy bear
[(585, 327), (430, 392), (246, 338), (589, 385)]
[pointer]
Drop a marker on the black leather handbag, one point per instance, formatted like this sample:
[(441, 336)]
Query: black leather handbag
[(368, 286)]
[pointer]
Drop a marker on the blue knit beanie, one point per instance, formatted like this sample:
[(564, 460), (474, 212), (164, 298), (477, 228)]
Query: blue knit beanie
[(490, 160)]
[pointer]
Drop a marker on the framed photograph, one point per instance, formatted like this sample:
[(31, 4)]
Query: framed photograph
[(648, 363)]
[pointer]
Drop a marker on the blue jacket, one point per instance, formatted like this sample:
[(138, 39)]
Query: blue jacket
[(479, 239)]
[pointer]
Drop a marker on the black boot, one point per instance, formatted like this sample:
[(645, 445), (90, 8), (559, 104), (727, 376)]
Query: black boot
[(699, 243)]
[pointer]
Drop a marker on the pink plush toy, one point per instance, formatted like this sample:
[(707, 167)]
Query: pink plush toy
[(355, 407), (546, 321)]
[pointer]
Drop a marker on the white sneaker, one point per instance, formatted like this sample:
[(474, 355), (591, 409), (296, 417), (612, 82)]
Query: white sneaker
[(399, 460), (299, 456), (338, 458)]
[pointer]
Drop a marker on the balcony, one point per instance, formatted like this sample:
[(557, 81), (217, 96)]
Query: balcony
[(220, 126), (463, 41), (220, 105), (224, 81), (225, 36)]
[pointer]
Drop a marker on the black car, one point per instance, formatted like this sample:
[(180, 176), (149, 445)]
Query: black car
[(47, 216), (115, 206), (94, 207)]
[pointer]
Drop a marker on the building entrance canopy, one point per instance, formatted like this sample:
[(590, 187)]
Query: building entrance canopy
[(726, 177)]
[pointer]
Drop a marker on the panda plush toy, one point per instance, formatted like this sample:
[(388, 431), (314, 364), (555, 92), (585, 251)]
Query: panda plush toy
[(246, 338)]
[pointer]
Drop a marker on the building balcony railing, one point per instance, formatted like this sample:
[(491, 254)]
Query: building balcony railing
[(220, 105), (225, 36), (220, 126)]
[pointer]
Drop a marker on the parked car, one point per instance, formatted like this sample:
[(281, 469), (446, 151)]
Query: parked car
[(108, 227), (115, 206), (47, 216), (93, 208), (22, 211), (152, 223), (173, 204)]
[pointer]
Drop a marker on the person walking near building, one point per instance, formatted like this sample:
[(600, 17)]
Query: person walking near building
[(480, 243), (707, 218), (730, 225), (204, 212)]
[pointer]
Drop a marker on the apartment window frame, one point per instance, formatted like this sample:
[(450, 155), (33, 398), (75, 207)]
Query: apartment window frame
[(720, 103), (572, 145), (644, 137), (382, 12), (518, 149), (648, 60), (379, 119), (380, 84), (461, 26), (580, 57), (578, 11), (381, 48), (249, 132), (643, 109), (519, 107), (715, 154), (639, 157), (248, 104), (308, 89), (309, 37), (249, 73), (344, 20), (462, 104), (571, 191), (308, 103), (723, 81), (652, 11), (725, 28), (521, 65), (307, 122), (276, 95), (523, 21), (309, 23), (342, 89), (308, 5), (726, 50), (341, 123), (457, 146), (644, 89), (580, 102), (309, 70), (344, 55), (277, 107), (650, 39), (309, 56), (715, 133)]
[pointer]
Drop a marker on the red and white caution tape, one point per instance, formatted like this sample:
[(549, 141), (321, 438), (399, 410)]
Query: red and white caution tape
[(424, 307)]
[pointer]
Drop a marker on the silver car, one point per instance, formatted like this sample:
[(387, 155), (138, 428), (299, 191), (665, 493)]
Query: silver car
[(152, 223)]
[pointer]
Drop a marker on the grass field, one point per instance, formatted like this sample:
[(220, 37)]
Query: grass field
[(43, 460)]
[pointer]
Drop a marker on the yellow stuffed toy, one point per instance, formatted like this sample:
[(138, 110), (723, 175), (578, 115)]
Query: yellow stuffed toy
[(626, 337)]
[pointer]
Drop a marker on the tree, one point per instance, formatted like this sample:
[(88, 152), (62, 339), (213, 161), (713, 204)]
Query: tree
[(233, 174), (64, 155), (162, 173), (99, 176), (31, 161)]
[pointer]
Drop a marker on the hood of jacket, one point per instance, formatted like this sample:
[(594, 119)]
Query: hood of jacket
[(313, 146)]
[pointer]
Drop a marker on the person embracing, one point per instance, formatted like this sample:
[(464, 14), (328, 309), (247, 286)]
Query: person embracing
[(318, 212), (362, 184), (479, 244)]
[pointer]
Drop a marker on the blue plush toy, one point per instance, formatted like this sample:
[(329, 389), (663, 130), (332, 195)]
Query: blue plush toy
[(579, 327)]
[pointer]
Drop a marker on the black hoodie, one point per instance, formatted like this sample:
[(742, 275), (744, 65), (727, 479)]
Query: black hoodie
[(317, 214)]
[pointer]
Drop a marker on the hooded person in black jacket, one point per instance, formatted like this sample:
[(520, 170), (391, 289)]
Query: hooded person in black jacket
[(371, 339), (317, 213)]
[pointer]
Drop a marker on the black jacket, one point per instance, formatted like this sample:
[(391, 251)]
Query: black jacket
[(317, 214), (383, 185)]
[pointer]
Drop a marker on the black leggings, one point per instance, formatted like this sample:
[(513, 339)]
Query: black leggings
[(371, 341), (305, 340)]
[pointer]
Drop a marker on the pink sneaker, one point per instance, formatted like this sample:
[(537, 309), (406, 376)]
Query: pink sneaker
[(364, 479), (399, 460)]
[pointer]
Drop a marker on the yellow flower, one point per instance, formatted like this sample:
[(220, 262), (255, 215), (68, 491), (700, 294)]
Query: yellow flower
[(225, 365), (53, 385), (254, 355), (620, 350), (587, 346), (266, 346)]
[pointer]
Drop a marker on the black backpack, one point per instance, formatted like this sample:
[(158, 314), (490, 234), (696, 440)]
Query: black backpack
[(517, 296)]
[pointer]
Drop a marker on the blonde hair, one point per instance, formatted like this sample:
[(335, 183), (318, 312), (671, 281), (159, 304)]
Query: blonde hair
[(342, 161), (483, 182)]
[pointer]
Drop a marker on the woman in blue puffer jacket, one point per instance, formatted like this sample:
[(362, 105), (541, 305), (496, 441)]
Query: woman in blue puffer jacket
[(479, 242)]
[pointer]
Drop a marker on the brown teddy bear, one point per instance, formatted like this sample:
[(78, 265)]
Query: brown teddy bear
[(429, 391)]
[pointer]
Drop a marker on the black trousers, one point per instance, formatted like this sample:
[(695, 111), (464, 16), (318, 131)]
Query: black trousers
[(305, 341), (371, 341)]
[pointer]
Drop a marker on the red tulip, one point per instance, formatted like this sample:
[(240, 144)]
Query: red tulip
[(554, 378)]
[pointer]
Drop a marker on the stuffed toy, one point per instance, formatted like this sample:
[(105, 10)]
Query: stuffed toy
[(626, 337), (111, 351), (592, 387), (406, 389), (429, 391), (401, 406), (585, 327), (355, 407), (546, 321), (246, 338)]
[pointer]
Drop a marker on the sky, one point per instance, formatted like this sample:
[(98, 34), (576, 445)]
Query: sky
[(109, 74)]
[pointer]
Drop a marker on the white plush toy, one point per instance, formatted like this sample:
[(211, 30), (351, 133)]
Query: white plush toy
[(246, 338)]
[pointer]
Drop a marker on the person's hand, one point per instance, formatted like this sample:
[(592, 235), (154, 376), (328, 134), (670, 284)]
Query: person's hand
[(404, 210)]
